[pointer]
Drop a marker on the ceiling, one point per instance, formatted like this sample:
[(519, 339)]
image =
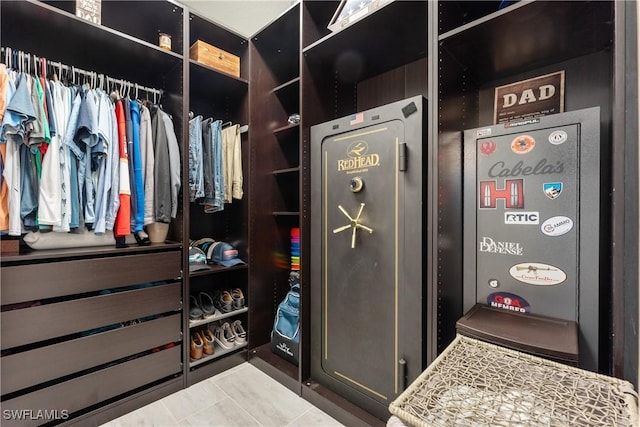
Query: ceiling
[(245, 17)]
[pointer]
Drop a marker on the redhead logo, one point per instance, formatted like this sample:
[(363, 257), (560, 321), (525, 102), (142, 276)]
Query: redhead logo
[(487, 147), (535, 273), (508, 301)]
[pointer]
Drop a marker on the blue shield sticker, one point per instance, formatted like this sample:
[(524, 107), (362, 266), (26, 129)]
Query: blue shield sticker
[(552, 189)]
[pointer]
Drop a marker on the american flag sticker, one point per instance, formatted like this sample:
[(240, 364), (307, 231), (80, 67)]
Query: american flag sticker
[(356, 118)]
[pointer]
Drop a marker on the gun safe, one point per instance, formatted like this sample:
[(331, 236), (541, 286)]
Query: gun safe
[(532, 202), (367, 286)]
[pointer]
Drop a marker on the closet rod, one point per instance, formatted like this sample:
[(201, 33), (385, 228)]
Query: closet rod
[(20, 60)]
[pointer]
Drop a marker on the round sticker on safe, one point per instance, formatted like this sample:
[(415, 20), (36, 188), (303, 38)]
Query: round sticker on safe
[(535, 273), (557, 226), (558, 137), (508, 301), (522, 144)]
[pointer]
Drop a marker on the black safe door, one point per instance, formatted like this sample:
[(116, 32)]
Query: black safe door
[(366, 288), (362, 190)]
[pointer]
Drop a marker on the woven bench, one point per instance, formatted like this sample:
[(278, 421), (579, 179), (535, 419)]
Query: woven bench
[(474, 383)]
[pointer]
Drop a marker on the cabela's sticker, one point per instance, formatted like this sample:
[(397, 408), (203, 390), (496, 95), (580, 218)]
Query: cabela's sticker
[(558, 137), (522, 144), (557, 226), (508, 301), (535, 273)]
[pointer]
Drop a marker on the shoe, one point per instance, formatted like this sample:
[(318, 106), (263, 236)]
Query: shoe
[(206, 304), (239, 332), (196, 346), (223, 336), (238, 298), (195, 312), (224, 301), (207, 341)]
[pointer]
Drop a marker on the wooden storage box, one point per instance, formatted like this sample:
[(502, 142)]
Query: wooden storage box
[(214, 57)]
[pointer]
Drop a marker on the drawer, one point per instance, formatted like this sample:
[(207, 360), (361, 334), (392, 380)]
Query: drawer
[(30, 325), (25, 369), (52, 279), (94, 388)]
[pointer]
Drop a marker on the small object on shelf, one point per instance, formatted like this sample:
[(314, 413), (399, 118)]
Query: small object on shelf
[(197, 260), (225, 254), (285, 335), (164, 41), (214, 57), (158, 231), (294, 119), (196, 346), (350, 11)]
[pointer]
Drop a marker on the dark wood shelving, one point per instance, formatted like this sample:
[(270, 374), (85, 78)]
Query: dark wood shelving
[(214, 269), (207, 320), (286, 129), (527, 35), (278, 172), (286, 213), (356, 53), (146, 63), (283, 89)]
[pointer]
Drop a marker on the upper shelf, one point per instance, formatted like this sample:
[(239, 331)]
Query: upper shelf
[(80, 43), (529, 34), (392, 36)]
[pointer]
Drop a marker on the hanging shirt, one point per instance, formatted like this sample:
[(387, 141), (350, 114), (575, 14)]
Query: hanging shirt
[(161, 177), (174, 162), (74, 185), (4, 189), (148, 163), (123, 218), (196, 174), (61, 96), (18, 114), (218, 170), (232, 160), (207, 166), (137, 167), (103, 173), (113, 200)]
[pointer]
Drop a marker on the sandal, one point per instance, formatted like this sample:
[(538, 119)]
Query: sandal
[(206, 304), (195, 312), (238, 298)]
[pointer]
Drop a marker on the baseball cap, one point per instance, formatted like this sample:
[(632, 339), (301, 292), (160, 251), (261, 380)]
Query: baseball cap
[(225, 254), (197, 260)]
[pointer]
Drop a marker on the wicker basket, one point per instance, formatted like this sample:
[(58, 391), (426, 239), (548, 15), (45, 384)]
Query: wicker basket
[(474, 383)]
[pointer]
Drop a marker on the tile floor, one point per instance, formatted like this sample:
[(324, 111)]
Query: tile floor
[(242, 396)]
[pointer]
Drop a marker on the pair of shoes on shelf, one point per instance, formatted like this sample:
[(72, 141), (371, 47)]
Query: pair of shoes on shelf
[(201, 307), (228, 335), (223, 301), (197, 346), (238, 298), (227, 301), (201, 343)]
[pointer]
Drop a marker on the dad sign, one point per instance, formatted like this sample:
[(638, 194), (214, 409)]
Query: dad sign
[(534, 97)]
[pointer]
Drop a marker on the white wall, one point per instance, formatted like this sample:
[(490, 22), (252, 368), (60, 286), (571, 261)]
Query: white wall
[(245, 17)]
